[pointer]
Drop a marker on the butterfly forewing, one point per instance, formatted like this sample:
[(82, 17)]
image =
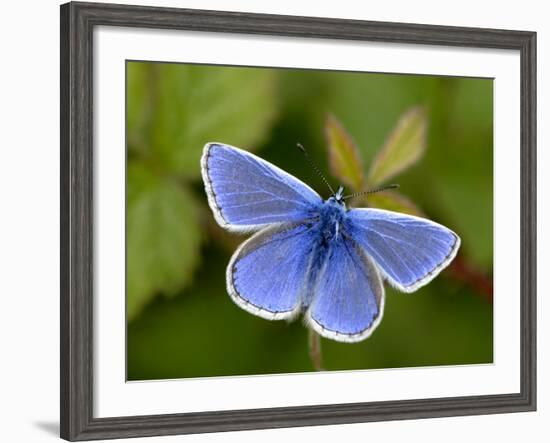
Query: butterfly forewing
[(248, 193)]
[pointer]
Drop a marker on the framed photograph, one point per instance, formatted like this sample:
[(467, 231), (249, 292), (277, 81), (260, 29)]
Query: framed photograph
[(273, 221)]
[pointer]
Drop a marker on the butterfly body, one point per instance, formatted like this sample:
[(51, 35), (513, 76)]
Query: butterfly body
[(326, 231), (331, 218), (315, 256)]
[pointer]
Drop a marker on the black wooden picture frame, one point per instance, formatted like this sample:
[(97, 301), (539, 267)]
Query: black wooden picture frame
[(77, 24)]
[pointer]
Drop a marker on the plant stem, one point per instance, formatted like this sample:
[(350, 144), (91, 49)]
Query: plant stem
[(315, 350), (463, 271)]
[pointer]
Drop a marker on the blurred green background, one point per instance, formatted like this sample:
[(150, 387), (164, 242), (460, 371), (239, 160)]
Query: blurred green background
[(182, 323)]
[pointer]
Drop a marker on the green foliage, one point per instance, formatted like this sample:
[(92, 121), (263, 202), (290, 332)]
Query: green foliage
[(176, 248), (393, 201), (370, 105), (344, 158), (404, 147), (163, 237), (187, 106), (172, 112)]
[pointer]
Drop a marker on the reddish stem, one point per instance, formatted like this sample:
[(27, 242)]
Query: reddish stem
[(464, 272)]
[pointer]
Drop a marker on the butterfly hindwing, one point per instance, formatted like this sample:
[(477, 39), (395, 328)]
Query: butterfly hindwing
[(410, 251), (348, 300), (267, 275), (247, 193)]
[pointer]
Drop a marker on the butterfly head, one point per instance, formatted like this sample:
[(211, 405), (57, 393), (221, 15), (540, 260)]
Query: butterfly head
[(339, 195), (337, 198)]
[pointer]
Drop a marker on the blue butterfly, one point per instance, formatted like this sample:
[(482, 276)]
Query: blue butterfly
[(312, 256)]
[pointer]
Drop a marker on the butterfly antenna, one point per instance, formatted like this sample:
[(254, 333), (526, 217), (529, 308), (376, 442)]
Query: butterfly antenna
[(371, 191), (314, 166)]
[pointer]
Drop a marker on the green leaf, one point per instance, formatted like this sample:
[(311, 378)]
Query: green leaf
[(163, 237), (392, 201), (192, 105), (344, 158), (404, 147)]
